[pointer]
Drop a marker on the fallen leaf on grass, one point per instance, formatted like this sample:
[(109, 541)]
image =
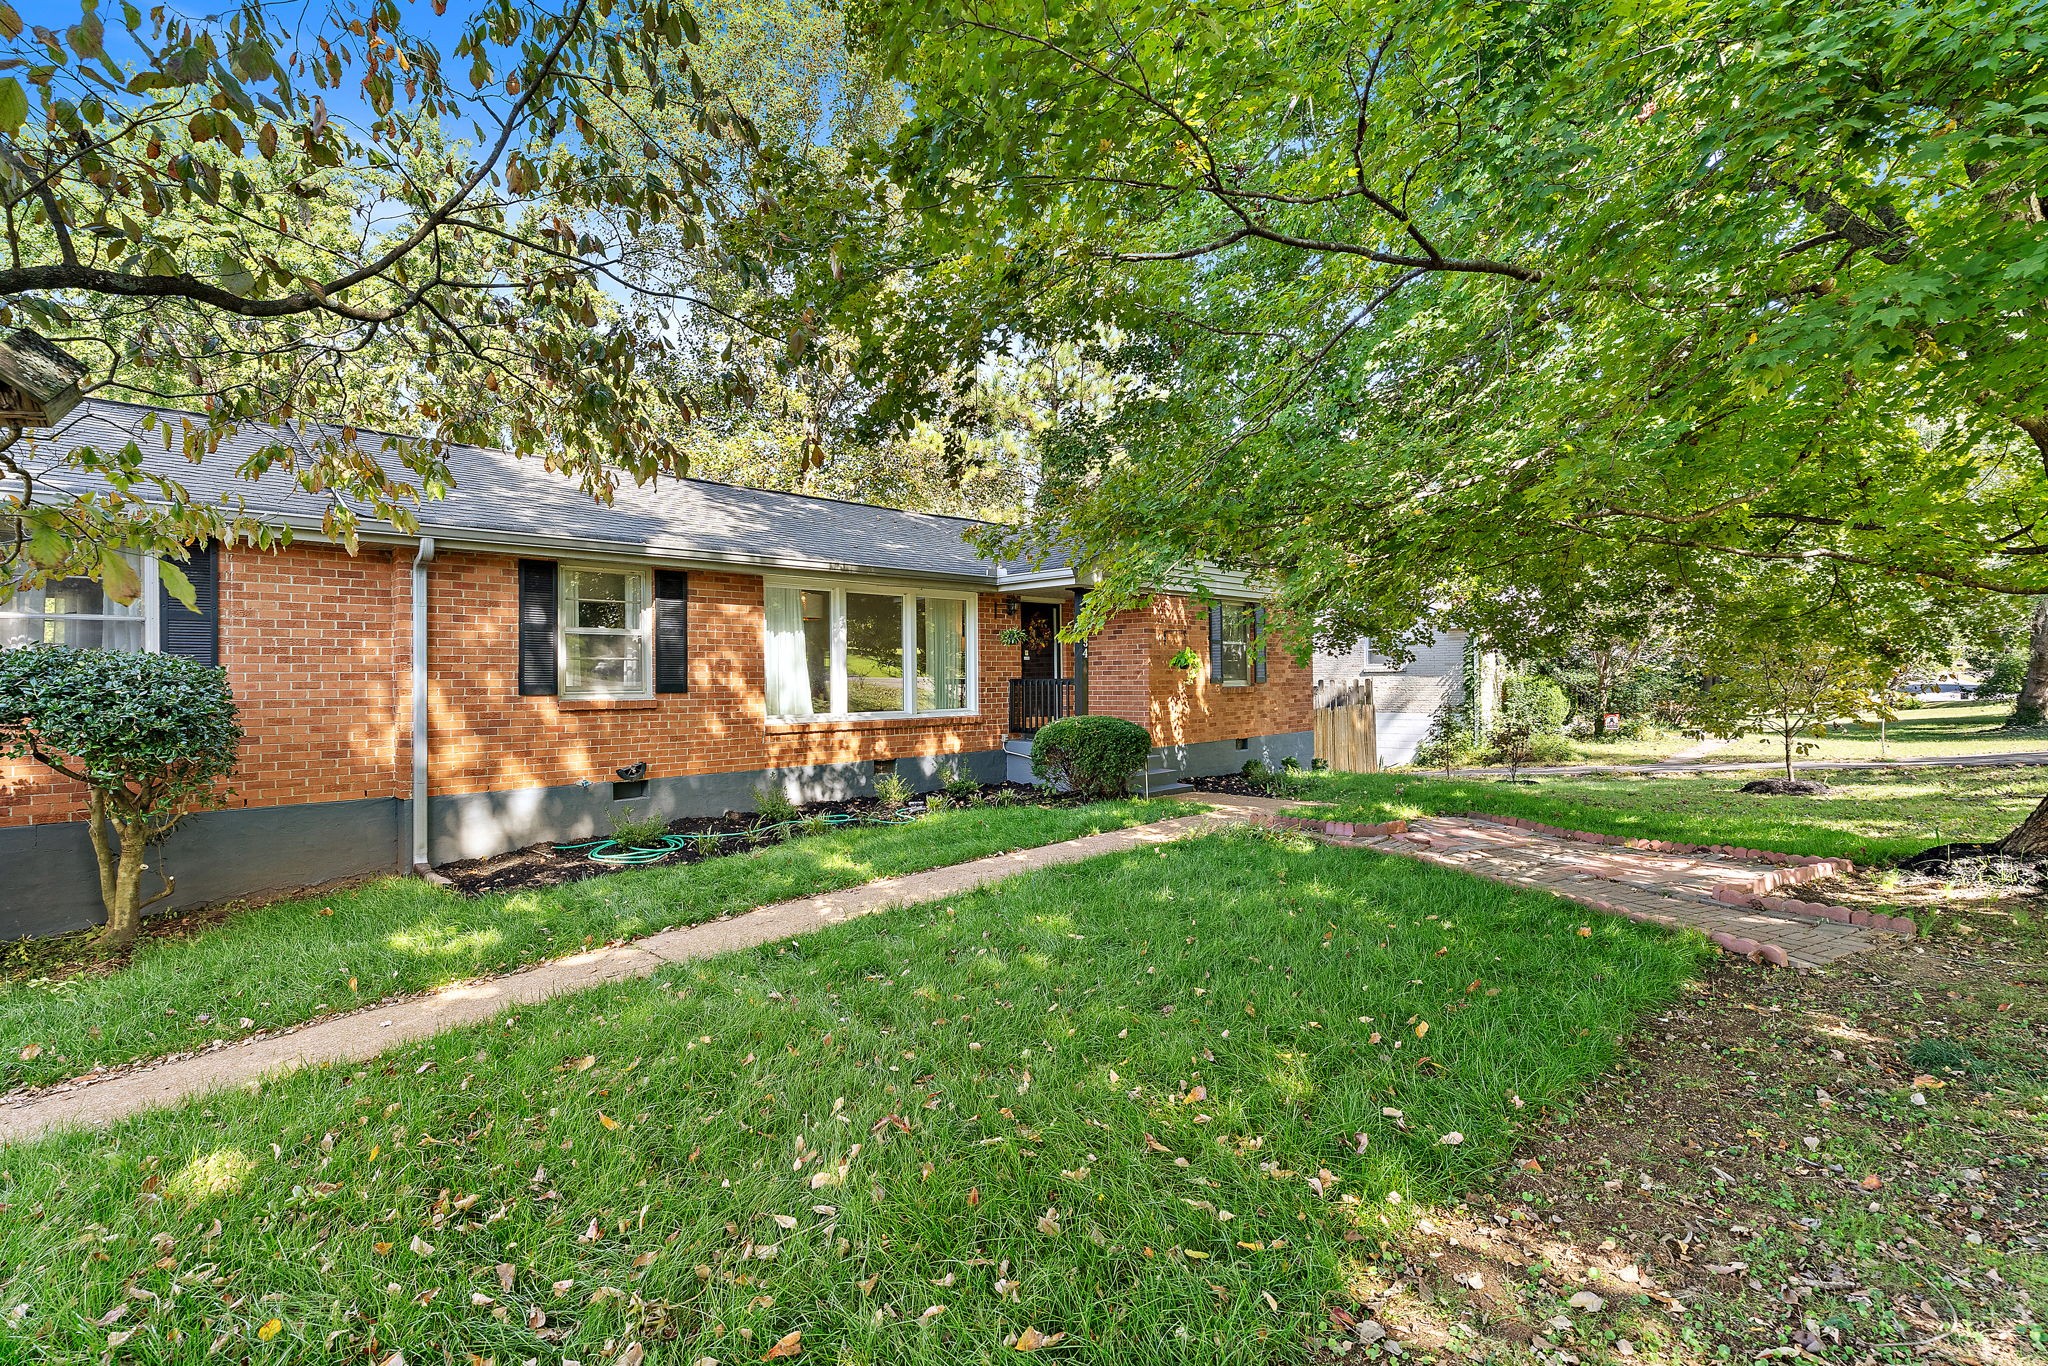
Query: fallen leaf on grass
[(32, 1052), (270, 1330), (1030, 1340), (1049, 1224), (789, 1345), (1452, 1139), (607, 1120), (1587, 1301)]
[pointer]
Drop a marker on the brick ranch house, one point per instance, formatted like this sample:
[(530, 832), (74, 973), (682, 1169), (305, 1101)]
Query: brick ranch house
[(481, 686)]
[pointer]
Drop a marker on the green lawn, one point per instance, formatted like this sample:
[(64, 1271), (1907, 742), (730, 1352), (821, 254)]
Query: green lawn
[(1090, 1101), (1935, 730), (290, 961), (1874, 815)]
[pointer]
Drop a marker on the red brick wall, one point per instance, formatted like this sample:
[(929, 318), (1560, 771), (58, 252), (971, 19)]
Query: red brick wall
[(487, 738), (1130, 674), (315, 645)]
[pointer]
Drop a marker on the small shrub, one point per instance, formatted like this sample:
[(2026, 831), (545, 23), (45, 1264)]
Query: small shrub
[(1291, 764), (893, 791), (641, 833), (1093, 756), (937, 801), (773, 804), (2004, 675), (958, 783), (1255, 772)]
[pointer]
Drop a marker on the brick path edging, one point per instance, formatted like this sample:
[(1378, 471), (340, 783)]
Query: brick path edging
[(1790, 870), (1793, 870), (1343, 830)]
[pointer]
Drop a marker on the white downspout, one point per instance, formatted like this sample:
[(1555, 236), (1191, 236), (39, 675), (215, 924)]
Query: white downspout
[(421, 855)]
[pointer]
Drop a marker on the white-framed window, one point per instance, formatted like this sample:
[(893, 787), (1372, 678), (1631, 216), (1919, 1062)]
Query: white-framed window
[(78, 614), (846, 651), (1239, 627), (606, 631)]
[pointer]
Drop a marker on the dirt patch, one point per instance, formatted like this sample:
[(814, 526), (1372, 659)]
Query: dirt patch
[(1849, 1165), (1786, 787), (705, 837), (1237, 785)]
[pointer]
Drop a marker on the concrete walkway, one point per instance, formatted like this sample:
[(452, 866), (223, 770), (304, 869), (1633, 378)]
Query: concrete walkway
[(1672, 889), (1667, 888), (2018, 758), (96, 1101)]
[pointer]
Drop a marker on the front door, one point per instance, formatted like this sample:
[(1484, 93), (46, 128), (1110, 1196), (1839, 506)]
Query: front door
[(1041, 624)]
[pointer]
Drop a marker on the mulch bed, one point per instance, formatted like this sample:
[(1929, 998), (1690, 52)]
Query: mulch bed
[(552, 865), (1237, 785)]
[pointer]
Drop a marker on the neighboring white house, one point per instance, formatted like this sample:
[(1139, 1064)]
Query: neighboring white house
[(1406, 697)]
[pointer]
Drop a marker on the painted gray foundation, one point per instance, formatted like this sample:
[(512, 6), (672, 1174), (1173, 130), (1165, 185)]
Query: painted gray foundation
[(1210, 758), (477, 825), (49, 882)]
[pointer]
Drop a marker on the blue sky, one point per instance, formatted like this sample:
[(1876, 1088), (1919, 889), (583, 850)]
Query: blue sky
[(303, 19)]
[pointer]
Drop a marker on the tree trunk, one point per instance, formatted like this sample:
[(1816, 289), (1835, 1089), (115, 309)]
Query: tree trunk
[(2032, 836), (2030, 708), (124, 908), (1788, 756)]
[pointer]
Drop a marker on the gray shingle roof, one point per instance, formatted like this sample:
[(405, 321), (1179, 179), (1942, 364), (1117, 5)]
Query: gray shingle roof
[(502, 499)]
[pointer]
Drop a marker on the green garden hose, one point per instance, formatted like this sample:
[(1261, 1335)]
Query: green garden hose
[(632, 855)]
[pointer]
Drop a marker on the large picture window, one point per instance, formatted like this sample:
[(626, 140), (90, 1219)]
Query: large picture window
[(606, 633), (853, 652), (78, 614)]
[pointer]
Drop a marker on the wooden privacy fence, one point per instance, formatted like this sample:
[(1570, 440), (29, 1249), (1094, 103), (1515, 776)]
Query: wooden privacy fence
[(1347, 730)]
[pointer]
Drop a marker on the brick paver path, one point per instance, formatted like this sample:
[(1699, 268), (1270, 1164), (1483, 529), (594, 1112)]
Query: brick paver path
[(1671, 889)]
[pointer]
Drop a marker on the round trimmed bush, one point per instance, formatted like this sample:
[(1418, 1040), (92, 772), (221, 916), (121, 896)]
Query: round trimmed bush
[(1533, 701), (1092, 755), (149, 736)]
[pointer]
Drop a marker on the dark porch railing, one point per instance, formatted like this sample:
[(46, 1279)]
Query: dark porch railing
[(1036, 702)]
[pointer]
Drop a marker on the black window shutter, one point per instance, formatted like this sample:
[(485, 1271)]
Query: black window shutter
[(1215, 642), (1258, 644), (193, 632), (671, 630), (537, 612)]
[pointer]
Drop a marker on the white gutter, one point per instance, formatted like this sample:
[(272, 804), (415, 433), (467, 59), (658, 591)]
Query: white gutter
[(421, 858)]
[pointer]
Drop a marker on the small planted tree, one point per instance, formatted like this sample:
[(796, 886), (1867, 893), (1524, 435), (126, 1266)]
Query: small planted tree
[(150, 736), (1530, 724), (1094, 756), (1790, 689)]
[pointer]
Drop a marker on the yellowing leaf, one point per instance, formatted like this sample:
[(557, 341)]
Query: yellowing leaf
[(607, 1120), (1030, 1340), (270, 1330), (789, 1345)]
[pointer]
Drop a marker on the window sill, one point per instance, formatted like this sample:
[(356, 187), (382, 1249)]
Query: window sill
[(607, 703), (866, 719)]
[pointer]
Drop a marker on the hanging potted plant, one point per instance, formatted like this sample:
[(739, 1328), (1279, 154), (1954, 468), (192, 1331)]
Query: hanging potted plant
[(1186, 660), (1012, 635)]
